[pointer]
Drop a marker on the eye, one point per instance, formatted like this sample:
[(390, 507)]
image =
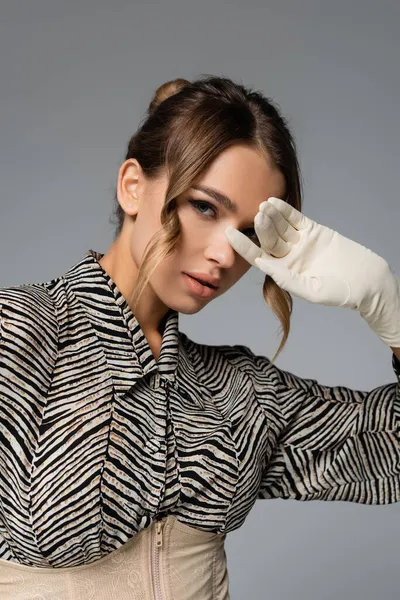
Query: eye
[(197, 206)]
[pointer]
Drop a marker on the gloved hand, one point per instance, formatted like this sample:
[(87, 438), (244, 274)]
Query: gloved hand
[(319, 264)]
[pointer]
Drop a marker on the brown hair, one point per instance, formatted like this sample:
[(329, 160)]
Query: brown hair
[(188, 124)]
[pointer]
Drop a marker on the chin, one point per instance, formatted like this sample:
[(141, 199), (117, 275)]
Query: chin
[(191, 311), (188, 308)]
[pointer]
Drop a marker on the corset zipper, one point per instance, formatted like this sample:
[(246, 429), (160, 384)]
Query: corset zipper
[(156, 560)]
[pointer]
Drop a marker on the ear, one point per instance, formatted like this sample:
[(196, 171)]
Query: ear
[(130, 178)]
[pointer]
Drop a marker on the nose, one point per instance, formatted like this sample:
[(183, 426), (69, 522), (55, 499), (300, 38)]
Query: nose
[(220, 250)]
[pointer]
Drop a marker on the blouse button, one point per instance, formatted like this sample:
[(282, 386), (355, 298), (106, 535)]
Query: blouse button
[(155, 381)]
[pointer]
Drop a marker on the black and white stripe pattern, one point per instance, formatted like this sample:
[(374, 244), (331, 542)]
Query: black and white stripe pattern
[(98, 439)]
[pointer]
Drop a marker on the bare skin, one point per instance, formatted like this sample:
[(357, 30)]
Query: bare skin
[(241, 173)]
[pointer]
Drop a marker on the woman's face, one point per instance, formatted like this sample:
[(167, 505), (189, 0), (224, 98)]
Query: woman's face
[(244, 177)]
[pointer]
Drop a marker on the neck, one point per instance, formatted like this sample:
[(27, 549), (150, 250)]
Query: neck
[(150, 312)]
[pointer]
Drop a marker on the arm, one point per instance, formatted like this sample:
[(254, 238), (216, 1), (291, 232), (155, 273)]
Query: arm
[(334, 443)]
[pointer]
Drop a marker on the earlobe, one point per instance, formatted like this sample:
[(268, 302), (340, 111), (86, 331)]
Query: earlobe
[(132, 205)]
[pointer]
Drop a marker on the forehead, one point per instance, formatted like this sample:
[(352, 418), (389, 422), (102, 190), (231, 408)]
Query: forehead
[(243, 174)]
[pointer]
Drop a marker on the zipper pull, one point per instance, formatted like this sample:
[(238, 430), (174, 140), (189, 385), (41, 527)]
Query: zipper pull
[(159, 539)]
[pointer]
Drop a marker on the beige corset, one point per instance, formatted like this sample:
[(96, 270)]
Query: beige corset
[(188, 565)]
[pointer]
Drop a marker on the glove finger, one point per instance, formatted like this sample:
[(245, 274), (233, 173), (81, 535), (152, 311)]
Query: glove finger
[(279, 272), (300, 285), (243, 246), (283, 227), (269, 237), (291, 214)]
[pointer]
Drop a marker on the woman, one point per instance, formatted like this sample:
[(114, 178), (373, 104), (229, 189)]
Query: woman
[(129, 451)]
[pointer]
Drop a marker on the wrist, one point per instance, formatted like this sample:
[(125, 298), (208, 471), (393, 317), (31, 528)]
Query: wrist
[(382, 309)]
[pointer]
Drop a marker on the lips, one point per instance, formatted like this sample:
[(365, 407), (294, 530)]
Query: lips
[(203, 282), (205, 279), (197, 288)]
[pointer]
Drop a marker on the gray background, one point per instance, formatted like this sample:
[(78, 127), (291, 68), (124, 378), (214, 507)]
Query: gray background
[(76, 78)]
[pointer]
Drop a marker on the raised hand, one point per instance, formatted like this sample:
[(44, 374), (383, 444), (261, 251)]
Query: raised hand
[(320, 265)]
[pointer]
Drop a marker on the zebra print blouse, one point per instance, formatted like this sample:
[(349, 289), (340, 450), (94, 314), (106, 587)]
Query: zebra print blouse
[(98, 439)]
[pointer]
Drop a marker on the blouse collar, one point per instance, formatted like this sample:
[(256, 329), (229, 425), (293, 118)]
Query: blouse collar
[(126, 348)]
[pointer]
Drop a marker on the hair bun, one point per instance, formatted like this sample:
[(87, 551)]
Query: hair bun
[(167, 89)]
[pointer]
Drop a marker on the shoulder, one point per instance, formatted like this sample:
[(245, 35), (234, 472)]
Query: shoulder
[(239, 357), (28, 318), (236, 356)]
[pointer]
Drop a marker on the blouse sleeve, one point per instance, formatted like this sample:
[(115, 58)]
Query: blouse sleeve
[(332, 443)]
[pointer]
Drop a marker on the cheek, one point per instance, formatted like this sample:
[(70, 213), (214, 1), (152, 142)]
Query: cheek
[(189, 224), (243, 268), (237, 271), (195, 234)]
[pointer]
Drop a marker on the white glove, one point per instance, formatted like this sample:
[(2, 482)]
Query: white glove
[(320, 265)]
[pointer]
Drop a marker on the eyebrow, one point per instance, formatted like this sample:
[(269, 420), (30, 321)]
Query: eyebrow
[(218, 196)]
